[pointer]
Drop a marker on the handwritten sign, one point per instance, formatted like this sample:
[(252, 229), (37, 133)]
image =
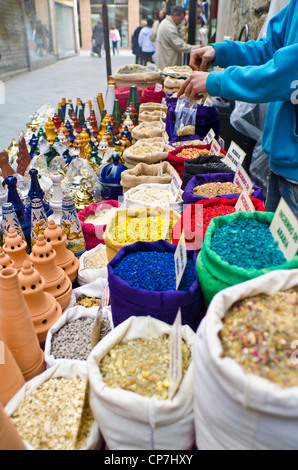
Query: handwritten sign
[(244, 203), (215, 148), (284, 228), (209, 137), (151, 67), (242, 180), (175, 365), (234, 157), (180, 259)]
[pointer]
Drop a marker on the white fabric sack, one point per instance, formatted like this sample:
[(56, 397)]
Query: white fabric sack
[(129, 421), (93, 289), (235, 410), (175, 206), (87, 275), (70, 315), (68, 371)]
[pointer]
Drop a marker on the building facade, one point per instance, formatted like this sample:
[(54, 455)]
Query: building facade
[(35, 33)]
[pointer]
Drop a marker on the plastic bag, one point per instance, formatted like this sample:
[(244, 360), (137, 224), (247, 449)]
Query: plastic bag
[(186, 113)]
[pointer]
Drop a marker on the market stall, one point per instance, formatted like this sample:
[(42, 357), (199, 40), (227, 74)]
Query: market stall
[(144, 279)]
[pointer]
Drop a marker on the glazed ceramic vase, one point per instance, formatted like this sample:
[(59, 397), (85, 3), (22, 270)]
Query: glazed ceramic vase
[(5, 260), (56, 200), (16, 326), (43, 307), (36, 192), (39, 220), (14, 198), (10, 220), (57, 283), (11, 377), (65, 258), (16, 247), (71, 226), (9, 436)]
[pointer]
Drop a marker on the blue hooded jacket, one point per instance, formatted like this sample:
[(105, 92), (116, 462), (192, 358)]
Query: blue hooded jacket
[(266, 71)]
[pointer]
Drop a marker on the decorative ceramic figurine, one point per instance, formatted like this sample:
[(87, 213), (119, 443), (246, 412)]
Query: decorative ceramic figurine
[(14, 198), (84, 196), (43, 307), (100, 102), (11, 379), (16, 326), (71, 226), (39, 220), (57, 122), (110, 179), (57, 282), (75, 121), (6, 169), (36, 192), (64, 257), (50, 131), (16, 248), (93, 122), (56, 200), (5, 260), (23, 159), (71, 137), (33, 146)]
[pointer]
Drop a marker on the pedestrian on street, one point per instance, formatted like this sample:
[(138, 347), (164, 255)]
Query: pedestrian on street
[(136, 50), (169, 45), (115, 39), (159, 17), (98, 37), (260, 71), (145, 43)]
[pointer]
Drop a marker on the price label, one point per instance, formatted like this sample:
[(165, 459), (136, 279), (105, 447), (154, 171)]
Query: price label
[(180, 259), (175, 363), (244, 203), (164, 101), (284, 228), (242, 180), (215, 148), (151, 67), (235, 156), (158, 87), (175, 186), (105, 299), (209, 137), (208, 102)]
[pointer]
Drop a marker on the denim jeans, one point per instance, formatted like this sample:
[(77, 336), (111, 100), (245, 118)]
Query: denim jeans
[(278, 187)]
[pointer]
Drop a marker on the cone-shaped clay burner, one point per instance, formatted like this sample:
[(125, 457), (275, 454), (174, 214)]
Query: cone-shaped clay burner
[(11, 377), (16, 326), (65, 258), (9, 436), (16, 248), (5, 260), (43, 307), (57, 282)]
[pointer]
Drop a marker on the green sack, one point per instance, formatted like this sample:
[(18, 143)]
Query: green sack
[(214, 274)]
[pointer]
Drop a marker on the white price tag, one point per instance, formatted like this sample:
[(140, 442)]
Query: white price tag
[(175, 365), (176, 185), (244, 203), (151, 67), (215, 148), (160, 172), (180, 258), (209, 137), (208, 102), (242, 180), (165, 138), (234, 157), (284, 228), (105, 300), (158, 87)]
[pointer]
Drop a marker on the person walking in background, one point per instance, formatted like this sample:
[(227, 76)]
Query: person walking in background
[(145, 43), (115, 39), (98, 37), (159, 17), (169, 45), (136, 50)]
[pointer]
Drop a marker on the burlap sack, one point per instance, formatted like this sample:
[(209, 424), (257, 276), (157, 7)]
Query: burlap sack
[(147, 130), (149, 116), (149, 107), (135, 154), (146, 174), (137, 75)]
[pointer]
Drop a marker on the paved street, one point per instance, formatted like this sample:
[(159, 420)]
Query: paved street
[(81, 76)]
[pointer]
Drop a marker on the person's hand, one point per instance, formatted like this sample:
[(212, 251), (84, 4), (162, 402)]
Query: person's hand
[(202, 58), (195, 85)]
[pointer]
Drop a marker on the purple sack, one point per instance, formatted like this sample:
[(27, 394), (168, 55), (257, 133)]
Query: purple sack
[(127, 301), (207, 118), (190, 198)]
